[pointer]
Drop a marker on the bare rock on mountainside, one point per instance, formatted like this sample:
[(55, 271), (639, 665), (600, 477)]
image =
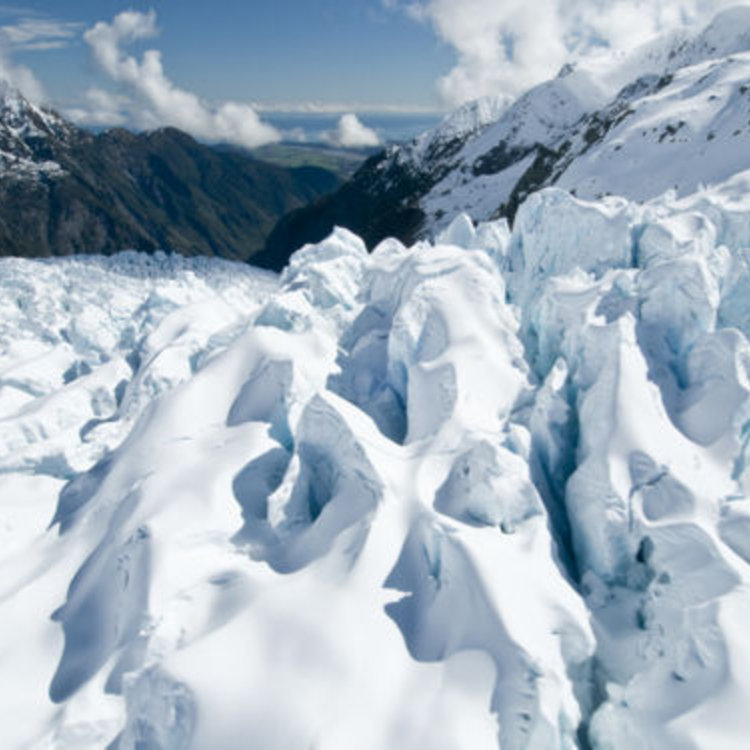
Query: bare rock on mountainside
[(64, 190)]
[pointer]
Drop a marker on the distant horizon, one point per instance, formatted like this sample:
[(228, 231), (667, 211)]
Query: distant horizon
[(317, 129), (326, 109)]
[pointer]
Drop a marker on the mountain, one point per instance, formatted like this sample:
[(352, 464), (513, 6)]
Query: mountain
[(672, 114), (64, 190)]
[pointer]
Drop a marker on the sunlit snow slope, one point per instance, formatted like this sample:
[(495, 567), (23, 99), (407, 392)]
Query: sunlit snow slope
[(672, 114), (489, 493)]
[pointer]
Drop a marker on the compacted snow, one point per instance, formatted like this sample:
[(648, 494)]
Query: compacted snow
[(487, 493)]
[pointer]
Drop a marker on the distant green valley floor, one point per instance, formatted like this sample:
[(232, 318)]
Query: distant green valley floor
[(343, 162)]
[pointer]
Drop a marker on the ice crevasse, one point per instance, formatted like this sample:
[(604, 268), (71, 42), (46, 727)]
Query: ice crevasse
[(486, 492)]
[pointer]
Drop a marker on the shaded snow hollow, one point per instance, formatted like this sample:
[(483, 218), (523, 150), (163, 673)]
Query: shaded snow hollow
[(486, 493)]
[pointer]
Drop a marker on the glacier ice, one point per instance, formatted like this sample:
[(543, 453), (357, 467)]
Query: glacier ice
[(483, 492)]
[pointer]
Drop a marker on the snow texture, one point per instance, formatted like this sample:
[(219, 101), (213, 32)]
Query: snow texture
[(486, 493)]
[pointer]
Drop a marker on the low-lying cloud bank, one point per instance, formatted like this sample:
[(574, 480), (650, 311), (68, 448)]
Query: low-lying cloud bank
[(352, 133)]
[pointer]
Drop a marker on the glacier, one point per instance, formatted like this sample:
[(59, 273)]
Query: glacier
[(489, 491)]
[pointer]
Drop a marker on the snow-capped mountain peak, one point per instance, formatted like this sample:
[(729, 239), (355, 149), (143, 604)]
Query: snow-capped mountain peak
[(462, 123), (29, 136)]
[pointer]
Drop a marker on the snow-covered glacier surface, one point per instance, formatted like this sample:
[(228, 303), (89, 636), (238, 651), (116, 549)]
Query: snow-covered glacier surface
[(490, 492)]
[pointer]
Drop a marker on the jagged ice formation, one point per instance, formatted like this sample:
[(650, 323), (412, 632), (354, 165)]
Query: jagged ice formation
[(487, 492)]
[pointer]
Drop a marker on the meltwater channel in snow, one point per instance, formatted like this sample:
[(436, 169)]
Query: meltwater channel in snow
[(486, 493)]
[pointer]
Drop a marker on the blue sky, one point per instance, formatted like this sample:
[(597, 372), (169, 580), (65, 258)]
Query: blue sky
[(334, 51), (214, 68)]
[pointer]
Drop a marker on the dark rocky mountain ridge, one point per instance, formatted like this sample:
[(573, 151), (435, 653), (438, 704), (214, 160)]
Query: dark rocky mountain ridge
[(65, 190)]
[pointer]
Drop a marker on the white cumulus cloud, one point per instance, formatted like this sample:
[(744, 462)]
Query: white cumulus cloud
[(18, 76), (101, 108), (150, 99), (505, 46), (352, 133)]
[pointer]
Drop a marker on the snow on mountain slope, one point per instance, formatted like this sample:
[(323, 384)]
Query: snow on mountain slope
[(483, 161), (25, 130), (487, 493), (666, 115), (672, 114), (685, 130)]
